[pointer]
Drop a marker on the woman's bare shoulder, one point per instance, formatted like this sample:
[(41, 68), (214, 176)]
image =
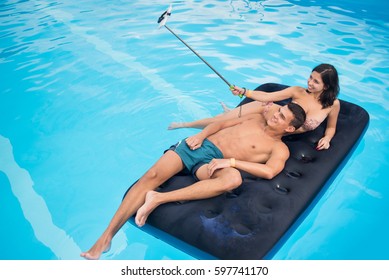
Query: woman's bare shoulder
[(336, 103), (334, 109)]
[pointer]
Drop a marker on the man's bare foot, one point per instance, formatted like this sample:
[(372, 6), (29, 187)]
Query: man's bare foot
[(175, 125), (144, 211), (94, 253), (225, 108)]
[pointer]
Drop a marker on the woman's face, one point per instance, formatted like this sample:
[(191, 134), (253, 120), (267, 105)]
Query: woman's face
[(315, 83)]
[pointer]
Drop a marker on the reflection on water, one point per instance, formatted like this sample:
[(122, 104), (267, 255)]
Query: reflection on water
[(34, 207)]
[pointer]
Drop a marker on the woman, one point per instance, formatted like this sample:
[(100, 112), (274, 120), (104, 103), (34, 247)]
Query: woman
[(319, 101)]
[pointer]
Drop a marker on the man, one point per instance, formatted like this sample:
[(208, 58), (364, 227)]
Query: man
[(214, 156)]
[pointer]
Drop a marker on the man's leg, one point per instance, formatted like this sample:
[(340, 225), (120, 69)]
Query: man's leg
[(167, 166), (223, 180)]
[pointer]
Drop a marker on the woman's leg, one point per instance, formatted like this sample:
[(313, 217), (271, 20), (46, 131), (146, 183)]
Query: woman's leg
[(246, 109)]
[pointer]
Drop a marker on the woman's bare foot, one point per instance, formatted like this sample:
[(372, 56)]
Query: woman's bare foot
[(225, 108), (175, 125), (101, 246), (144, 211)]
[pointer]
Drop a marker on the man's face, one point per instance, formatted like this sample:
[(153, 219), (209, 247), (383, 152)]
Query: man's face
[(281, 119)]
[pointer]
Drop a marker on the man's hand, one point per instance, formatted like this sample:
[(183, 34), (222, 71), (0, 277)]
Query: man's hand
[(216, 164), (194, 142)]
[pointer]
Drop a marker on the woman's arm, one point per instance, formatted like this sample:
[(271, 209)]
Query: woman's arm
[(324, 143), (263, 96)]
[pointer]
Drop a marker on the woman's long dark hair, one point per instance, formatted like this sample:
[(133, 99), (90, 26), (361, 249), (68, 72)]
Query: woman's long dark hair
[(330, 78)]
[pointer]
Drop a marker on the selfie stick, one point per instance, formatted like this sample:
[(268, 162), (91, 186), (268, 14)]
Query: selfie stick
[(162, 22)]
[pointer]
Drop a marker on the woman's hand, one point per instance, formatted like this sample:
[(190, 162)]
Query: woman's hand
[(194, 142), (237, 90), (324, 144)]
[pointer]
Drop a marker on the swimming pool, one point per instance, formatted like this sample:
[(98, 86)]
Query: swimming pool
[(88, 89)]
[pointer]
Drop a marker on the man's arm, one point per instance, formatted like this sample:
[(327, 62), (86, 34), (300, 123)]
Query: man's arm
[(268, 170), (195, 141)]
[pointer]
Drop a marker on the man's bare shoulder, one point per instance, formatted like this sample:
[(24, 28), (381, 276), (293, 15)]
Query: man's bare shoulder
[(280, 149)]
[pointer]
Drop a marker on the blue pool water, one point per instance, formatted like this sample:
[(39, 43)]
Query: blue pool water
[(88, 88)]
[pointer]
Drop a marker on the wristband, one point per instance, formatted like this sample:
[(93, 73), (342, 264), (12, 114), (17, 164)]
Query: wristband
[(248, 93), (232, 162), (244, 91)]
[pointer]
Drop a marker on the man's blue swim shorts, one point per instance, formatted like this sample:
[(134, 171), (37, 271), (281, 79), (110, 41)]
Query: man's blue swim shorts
[(194, 159)]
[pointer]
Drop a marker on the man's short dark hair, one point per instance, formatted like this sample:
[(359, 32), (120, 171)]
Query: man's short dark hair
[(299, 115)]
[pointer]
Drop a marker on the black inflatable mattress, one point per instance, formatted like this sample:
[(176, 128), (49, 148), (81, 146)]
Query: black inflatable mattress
[(248, 222)]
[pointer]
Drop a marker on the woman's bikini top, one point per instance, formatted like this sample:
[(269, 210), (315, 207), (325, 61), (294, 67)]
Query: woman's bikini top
[(310, 124)]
